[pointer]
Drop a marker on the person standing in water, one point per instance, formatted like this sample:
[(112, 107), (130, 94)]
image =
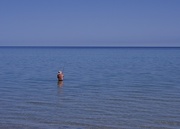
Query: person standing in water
[(60, 76)]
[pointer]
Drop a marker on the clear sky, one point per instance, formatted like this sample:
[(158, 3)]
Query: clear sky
[(90, 22)]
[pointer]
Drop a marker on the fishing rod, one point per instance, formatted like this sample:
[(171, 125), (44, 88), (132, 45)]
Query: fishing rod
[(63, 69)]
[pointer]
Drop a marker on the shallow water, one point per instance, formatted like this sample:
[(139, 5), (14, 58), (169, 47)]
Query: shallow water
[(104, 88)]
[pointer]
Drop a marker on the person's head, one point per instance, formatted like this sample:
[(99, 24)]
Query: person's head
[(59, 72)]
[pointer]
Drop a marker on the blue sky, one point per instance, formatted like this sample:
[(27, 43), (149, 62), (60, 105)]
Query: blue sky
[(90, 22)]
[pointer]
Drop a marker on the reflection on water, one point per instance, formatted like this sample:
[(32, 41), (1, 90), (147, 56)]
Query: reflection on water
[(60, 83)]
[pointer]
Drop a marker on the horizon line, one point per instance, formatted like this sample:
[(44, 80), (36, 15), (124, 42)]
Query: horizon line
[(53, 46)]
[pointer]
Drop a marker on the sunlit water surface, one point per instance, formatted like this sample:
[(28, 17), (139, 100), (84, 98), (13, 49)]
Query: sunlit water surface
[(104, 88)]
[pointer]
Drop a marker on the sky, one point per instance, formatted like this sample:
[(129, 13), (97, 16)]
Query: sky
[(90, 23)]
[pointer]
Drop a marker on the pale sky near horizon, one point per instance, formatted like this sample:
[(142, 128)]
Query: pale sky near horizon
[(89, 22)]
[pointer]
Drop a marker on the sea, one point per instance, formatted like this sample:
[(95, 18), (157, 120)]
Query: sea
[(103, 88)]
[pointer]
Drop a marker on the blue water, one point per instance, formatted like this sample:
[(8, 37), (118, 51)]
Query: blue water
[(104, 88)]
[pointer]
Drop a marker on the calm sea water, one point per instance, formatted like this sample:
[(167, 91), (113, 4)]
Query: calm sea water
[(104, 88)]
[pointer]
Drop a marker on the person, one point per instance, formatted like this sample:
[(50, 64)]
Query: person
[(60, 76)]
